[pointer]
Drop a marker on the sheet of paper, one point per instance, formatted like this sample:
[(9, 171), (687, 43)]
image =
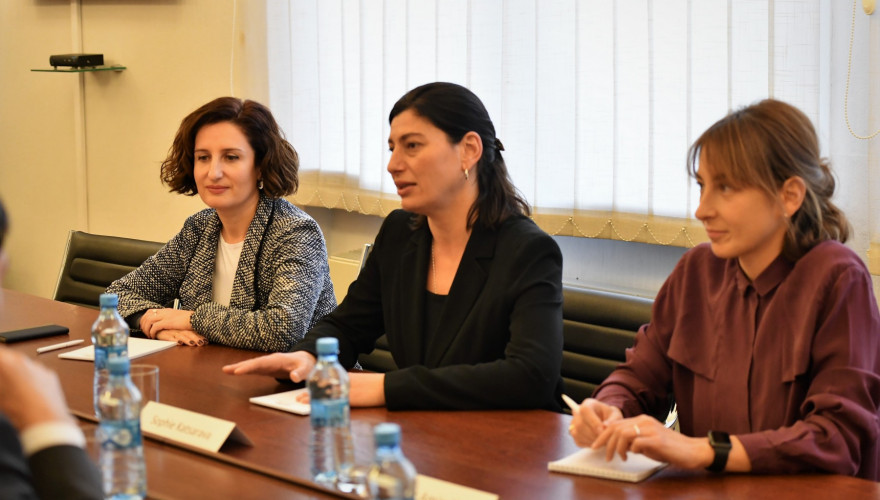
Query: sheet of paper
[(285, 401), (137, 347)]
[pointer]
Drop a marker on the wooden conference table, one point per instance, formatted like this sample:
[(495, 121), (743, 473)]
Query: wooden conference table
[(503, 452)]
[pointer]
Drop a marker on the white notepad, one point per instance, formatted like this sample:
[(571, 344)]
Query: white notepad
[(284, 401), (589, 462), (137, 347)]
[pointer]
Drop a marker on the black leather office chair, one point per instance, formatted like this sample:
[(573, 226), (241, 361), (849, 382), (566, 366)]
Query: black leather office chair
[(92, 262), (380, 359), (598, 327)]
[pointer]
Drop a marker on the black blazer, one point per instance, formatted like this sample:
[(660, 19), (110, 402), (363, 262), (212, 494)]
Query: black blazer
[(54, 472), (500, 341)]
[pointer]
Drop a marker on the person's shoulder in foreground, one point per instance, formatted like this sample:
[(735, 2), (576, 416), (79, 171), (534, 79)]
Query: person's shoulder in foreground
[(49, 460)]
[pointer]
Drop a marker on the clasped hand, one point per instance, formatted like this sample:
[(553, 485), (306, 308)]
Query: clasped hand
[(598, 425), (171, 324)]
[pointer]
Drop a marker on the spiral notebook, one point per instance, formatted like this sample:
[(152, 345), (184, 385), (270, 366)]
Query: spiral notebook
[(589, 462)]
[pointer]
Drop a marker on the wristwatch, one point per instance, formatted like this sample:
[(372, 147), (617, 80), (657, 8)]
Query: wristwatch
[(720, 442)]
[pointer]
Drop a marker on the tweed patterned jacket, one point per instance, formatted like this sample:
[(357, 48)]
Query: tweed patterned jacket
[(276, 297)]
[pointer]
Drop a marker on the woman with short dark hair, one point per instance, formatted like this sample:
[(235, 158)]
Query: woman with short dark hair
[(251, 270), (466, 287)]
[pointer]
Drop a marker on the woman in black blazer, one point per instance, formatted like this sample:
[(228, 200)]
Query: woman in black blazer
[(464, 284)]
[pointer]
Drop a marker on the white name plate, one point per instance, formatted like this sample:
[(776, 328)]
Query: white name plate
[(188, 427), (429, 488)]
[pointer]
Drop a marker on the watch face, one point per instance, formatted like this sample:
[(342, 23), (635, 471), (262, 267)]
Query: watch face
[(719, 438)]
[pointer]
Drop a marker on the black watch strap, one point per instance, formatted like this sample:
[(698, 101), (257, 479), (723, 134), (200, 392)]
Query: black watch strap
[(720, 442)]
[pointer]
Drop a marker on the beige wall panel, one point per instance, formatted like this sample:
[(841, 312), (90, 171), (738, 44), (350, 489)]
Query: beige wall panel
[(178, 55), (37, 180)]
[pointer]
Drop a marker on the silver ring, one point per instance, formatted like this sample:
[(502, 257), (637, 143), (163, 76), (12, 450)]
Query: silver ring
[(638, 431)]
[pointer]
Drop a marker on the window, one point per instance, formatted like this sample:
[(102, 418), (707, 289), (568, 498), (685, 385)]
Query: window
[(596, 101)]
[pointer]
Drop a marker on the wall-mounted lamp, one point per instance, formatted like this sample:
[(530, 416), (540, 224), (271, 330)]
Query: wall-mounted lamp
[(868, 6)]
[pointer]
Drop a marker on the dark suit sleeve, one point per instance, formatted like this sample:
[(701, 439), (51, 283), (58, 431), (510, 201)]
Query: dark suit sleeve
[(359, 319), (519, 316), (55, 472), (15, 477), (65, 472)]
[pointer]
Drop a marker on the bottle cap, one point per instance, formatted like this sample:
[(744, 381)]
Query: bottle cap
[(328, 345), (109, 300), (118, 365), (386, 434)]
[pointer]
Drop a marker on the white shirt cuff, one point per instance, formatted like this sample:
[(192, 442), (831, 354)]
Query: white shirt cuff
[(41, 436)]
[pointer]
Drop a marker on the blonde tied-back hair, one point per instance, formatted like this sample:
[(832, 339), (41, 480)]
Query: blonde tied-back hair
[(762, 146)]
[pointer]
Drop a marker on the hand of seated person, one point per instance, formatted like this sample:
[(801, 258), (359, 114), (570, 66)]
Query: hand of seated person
[(591, 420), (155, 320), (646, 435), (182, 337), (294, 365), (31, 393), (366, 389)]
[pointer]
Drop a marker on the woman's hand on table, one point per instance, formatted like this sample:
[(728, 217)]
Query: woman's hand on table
[(366, 389), (154, 321), (646, 435), (591, 419), (597, 425), (183, 337), (294, 365)]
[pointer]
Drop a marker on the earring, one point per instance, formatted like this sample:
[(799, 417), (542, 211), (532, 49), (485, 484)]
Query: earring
[(467, 173), (260, 184)]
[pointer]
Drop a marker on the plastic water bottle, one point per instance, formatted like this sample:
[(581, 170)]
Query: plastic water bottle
[(392, 476), (119, 431), (110, 338), (332, 451)]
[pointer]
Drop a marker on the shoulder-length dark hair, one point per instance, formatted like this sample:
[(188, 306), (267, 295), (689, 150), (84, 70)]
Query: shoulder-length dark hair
[(456, 111), (274, 157), (762, 146)]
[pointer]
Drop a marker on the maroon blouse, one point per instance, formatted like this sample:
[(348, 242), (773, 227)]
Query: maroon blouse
[(790, 363)]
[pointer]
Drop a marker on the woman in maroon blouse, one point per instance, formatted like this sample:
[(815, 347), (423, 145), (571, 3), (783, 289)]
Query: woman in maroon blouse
[(768, 336)]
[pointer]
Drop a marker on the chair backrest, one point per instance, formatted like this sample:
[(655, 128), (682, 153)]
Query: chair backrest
[(598, 327), (380, 359), (368, 247), (92, 262)]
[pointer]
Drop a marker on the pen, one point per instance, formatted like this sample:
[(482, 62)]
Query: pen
[(571, 404), (62, 345), (176, 303)]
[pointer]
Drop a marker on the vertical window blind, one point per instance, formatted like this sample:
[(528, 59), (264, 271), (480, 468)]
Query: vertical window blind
[(596, 101)]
